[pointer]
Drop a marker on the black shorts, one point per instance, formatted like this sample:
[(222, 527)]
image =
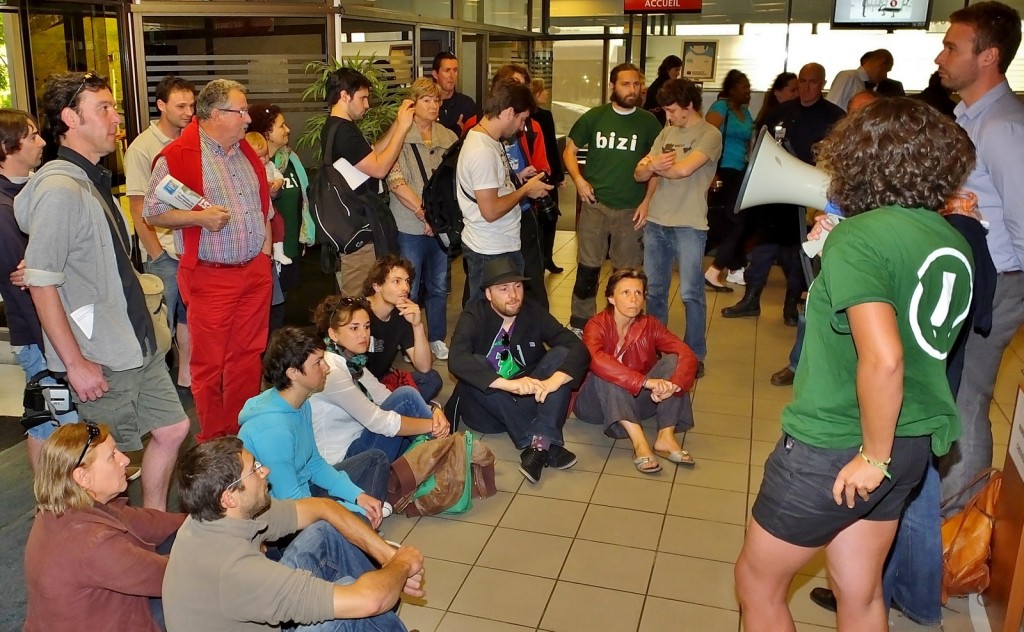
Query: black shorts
[(795, 503)]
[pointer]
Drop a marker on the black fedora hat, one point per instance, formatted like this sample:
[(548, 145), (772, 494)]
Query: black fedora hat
[(501, 270)]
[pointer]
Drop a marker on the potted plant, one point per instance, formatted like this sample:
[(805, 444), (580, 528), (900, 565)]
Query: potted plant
[(384, 99)]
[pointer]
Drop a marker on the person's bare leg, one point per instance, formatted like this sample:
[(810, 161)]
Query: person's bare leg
[(641, 447), (666, 440), (34, 447), (184, 342), (855, 558), (764, 572), (158, 463)]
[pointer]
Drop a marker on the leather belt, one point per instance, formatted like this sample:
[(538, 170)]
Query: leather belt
[(214, 264)]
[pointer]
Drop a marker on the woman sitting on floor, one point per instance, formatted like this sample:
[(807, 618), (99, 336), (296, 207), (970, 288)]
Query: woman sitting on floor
[(624, 345), (355, 412), (91, 561)]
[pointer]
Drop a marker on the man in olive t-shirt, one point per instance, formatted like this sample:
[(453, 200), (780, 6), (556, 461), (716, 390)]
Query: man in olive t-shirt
[(616, 136), (678, 171)]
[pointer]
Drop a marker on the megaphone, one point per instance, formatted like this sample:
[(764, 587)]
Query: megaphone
[(775, 177)]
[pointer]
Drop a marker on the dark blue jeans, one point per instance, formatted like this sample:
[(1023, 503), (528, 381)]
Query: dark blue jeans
[(322, 551), (912, 577), (369, 472), (431, 266), (405, 401), (428, 384), (662, 245)]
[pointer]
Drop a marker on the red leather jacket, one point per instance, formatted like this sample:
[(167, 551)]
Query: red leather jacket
[(645, 339)]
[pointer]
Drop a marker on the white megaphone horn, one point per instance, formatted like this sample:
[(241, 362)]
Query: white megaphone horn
[(775, 177)]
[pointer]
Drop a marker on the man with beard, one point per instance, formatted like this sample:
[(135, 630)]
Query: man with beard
[(617, 135), (277, 427), (456, 108), (517, 367), (487, 197), (218, 578)]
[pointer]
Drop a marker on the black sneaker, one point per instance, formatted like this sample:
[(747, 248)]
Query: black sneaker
[(700, 369), (560, 458), (532, 462)]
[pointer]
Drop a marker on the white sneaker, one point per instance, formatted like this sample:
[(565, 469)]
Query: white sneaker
[(439, 349), (279, 256), (735, 276), (577, 331)]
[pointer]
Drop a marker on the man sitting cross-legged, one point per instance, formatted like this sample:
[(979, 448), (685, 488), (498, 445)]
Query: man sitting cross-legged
[(218, 578), (516, 367)]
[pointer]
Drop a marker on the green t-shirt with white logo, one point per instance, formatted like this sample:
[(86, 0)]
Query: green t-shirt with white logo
[(615, 142), (915, 261)]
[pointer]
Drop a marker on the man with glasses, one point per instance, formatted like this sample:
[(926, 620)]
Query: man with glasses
[(175, 99), (219, 580), (224, 249), (90, 304), (516, 366)]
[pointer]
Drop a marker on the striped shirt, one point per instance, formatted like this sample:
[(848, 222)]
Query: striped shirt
[(229, 181)]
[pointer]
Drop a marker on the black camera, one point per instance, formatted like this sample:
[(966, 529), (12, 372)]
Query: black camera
[(545, 205)]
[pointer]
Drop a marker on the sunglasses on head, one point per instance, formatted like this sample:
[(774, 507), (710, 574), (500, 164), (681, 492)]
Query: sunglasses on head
[(86, 78), (94, 433)]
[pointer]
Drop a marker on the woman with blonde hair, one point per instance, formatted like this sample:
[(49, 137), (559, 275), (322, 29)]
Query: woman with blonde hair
[(421, 154), (91, 561)]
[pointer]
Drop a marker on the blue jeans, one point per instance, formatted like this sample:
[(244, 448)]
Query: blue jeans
[(405, 401), (431, 266), (33, 362), (325, 553), (368, 471), (662, 244), (912, 577), (166, 267), (475, 269)]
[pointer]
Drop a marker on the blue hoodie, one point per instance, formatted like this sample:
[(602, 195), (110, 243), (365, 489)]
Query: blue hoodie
[(281, 438)]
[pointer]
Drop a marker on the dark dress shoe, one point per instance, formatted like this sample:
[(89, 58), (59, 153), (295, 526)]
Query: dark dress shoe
[(700, 369), (783, 377), (553, 269), (824, 598)]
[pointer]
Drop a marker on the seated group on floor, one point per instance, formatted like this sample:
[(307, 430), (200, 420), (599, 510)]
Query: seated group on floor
[(280, 523)]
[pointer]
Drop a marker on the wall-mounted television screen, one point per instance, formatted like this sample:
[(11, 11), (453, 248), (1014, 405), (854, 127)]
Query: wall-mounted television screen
[(881, 14)]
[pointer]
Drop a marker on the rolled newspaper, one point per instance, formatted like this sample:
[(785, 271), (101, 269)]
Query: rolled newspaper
[(173, 192)]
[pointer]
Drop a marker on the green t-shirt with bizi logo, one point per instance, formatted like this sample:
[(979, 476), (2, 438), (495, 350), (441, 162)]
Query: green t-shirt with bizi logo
[(915, 261), (615, 142)]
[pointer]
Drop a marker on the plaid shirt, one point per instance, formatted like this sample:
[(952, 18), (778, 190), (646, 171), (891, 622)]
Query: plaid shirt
[(229, 181)]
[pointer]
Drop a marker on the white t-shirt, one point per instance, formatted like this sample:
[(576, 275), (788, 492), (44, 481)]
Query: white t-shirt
[(138, 166), (482, 165)]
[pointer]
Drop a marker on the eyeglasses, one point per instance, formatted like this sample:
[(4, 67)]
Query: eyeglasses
[(94, 432), (238, 111), (256, 467), (86, 78)]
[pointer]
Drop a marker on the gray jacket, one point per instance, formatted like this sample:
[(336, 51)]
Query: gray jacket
[(71, 247)]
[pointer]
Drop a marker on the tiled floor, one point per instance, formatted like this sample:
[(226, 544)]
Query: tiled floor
[(603, 547)]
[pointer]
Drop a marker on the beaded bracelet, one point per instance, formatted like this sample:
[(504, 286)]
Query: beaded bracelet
[(882, 465)]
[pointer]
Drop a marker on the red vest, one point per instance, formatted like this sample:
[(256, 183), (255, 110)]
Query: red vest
[(185, 162)]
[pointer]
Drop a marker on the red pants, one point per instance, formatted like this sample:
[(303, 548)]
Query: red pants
[(229, 320)]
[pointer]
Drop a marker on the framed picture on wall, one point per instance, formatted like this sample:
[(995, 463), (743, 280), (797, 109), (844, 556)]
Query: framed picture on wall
[(699, 59)]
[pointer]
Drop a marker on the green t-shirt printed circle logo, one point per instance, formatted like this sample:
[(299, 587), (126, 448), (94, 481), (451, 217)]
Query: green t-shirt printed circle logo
[(931, 319)]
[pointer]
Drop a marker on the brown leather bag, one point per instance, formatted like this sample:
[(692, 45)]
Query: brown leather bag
[(431, 477), (967, 539)]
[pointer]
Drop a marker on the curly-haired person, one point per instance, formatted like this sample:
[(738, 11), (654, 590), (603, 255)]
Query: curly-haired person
[(873, 402)]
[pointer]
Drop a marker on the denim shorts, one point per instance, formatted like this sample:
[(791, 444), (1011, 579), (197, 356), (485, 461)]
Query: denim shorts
[(795, 503)]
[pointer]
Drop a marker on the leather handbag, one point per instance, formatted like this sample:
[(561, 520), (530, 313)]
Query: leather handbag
[(441, 475), (967, 539)]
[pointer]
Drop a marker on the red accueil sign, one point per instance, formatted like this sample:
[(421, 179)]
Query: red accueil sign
[(661, 6)]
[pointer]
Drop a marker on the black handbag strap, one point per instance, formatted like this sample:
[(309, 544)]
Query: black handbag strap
[(419, 161)]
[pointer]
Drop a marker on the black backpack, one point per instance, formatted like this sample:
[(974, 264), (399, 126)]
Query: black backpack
[(440, 202), (345, 220)]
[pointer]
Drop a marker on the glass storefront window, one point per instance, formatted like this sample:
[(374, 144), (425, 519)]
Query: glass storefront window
[(421, 8), (6, 32)]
